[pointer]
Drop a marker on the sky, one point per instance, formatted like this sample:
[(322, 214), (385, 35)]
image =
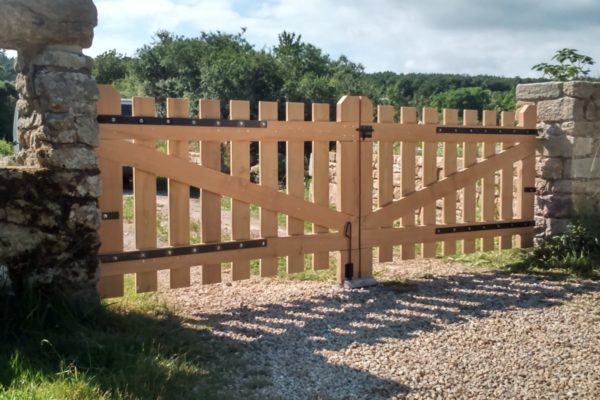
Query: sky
[(499, 37)]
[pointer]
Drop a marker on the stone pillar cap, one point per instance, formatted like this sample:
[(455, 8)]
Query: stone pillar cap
[(29, 24)]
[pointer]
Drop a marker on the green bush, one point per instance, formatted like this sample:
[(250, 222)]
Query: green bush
[(576, 250), (6, 148)]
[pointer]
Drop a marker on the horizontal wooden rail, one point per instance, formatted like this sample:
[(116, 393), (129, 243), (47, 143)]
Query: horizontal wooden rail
[(417, 234), (276, 247)]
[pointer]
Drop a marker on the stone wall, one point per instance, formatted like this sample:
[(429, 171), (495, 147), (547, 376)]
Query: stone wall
[(49, 212), (568, 150)]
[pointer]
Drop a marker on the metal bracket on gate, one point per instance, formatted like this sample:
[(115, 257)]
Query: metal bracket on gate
[(365, 131), (530, 189), (219, 123), (486, 227), (181, 251), (110, 215), (489, 131)]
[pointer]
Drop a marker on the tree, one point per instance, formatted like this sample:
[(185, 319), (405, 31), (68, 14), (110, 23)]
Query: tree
[(571, 65)]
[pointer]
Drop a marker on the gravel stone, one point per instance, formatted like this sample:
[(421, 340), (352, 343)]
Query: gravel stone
[(430, 330)]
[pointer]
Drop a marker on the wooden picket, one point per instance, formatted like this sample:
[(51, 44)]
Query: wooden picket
[(352, 230)]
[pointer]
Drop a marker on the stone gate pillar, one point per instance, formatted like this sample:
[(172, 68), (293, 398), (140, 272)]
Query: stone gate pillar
[(568, 151), (48, 205)]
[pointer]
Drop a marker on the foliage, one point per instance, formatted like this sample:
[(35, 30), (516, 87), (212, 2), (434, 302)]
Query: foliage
[(571, 65), (133, 348), (6, 148), (226, 66), (576, 250), (8, 96), (7, 70)]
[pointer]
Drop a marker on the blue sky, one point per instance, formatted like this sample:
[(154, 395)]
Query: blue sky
[(501, 37)]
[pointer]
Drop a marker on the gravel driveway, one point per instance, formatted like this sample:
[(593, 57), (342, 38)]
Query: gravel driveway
[(430, 330)]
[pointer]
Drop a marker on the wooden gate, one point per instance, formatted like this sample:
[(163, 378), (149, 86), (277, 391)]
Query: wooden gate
[(313, 226)]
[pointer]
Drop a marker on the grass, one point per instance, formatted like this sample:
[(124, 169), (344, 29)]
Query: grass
[(134, 348)]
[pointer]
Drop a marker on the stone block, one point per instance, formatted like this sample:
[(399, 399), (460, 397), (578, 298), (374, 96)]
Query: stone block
[(582, 89), (539, 91), (549, 168), (555, 226), (581, 128), (563, 109), (554, 206), (580, 146), (553, 146), (63, 59), (68, 157), (582, 168)]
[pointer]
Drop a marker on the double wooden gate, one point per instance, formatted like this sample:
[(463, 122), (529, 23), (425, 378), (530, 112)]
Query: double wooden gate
[(417, 186)]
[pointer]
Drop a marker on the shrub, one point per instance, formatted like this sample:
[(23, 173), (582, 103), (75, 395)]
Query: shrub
[(576, 250), (6, 148)]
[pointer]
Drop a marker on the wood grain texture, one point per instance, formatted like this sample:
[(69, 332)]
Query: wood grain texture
[(240, 167), (144, 189), (320, 180), (488, 192), (111, 199), (210, 202), (267, 111), (430, 117), (294, 167), (450, 167), (469, 193), (408, 116), (179, 196), (385, 177), (506, 183)]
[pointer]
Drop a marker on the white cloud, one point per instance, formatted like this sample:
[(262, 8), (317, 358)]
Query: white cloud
[(460, 36)]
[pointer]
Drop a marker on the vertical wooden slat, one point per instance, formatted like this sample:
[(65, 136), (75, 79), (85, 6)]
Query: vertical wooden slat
[(506, 184), (527, 118), (488, 205), (210, 203), (294, 167), (144, 185), (469, 194), (408, 115), (385, 177), (430, 116), (366, 186), (449, 215), (179, 196), (240, 167), (267, 111), (111, 199), (348, 110), (320, 180)]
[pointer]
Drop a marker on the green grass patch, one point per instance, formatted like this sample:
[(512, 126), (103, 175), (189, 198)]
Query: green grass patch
[(133, 348)]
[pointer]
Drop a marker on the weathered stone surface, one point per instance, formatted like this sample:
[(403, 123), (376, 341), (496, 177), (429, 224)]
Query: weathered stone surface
[(580, 146), (553, 146), (61, 59), (539, 91), (27, 24), (581, 128), (68, 157), (563, 109), (554, 206), (556, 225), (582, 89), (549, 167), (582, 168)]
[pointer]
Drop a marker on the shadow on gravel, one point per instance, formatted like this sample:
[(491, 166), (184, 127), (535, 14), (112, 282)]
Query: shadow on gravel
[(288, 338)]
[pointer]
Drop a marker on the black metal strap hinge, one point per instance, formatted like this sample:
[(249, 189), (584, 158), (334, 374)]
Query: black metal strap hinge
[(365, 131), (181, 251), (529, 189), (219, 123), (485, 227), (486, 131)]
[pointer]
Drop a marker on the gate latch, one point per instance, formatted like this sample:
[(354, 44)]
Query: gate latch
[(365, 131)]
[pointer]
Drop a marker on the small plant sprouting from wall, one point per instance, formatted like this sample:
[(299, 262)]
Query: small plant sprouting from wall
[(571, 65)]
